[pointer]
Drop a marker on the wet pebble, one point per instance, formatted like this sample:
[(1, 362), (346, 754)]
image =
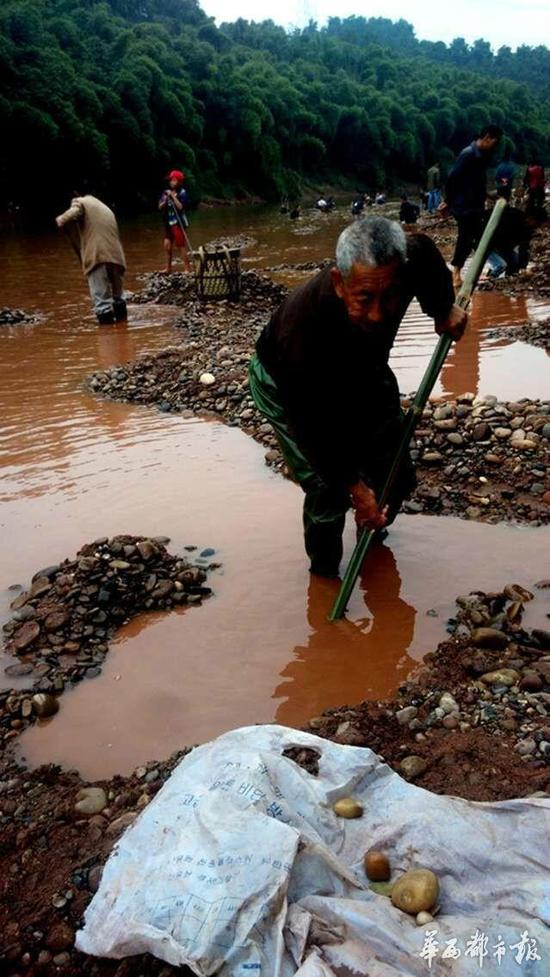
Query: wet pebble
[(45, 705), (415, 891), (501, 676), (489, 638), (526, 747), (413, 766), (404, 716), (91, 800), (377, 866)]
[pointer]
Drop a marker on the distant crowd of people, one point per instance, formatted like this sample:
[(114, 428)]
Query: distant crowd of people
[(467, 196), (93, 232)]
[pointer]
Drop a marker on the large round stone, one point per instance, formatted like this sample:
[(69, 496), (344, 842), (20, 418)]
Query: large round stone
[(91, 800)]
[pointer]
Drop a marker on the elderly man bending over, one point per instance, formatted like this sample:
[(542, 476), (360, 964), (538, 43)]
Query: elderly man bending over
[(320, 375)]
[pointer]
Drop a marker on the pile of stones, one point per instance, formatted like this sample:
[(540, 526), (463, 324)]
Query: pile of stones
[(61, 626), (484, 459), (534, 333), (302, 265), (179, 289), (242, 241), (482, 696), (16, 317)]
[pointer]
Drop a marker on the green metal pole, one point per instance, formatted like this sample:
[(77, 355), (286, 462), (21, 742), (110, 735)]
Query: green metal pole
[(414, 413)]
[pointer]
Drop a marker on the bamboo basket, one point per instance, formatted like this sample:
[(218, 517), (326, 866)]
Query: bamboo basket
[(218, 273)]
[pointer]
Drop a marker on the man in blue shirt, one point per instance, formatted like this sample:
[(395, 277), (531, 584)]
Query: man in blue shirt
[(465, 193), (504, 176)]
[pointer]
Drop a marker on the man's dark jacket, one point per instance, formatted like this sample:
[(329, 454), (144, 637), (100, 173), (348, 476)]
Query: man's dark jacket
[(339, 395), (466, 186)]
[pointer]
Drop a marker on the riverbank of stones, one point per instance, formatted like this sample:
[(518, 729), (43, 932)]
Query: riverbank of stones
[(473, 722), (533, 333), (207, 372), (178, 288), (56, 835), (61, 626), (474, 719), (17, 317), (483, 459), (301, 266), (241, 241), (476, 457)]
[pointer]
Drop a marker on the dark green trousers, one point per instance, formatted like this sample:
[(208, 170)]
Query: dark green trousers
[(325, 506)]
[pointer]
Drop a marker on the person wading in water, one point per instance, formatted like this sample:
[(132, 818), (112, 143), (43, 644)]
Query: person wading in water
[(320, 375), (93, 232)]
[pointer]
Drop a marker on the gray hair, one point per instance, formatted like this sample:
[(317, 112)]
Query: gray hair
[(370, 241)]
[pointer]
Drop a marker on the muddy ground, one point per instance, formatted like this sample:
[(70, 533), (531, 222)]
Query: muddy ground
[(474, 720)]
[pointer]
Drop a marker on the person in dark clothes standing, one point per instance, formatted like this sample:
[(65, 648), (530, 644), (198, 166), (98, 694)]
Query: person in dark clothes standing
[(320, 375), (465, 194)]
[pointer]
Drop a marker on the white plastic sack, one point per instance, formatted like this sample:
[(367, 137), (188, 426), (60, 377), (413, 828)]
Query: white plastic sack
[(239, 866)]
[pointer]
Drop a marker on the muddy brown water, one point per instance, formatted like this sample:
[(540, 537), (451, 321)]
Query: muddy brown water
[(74, 468)]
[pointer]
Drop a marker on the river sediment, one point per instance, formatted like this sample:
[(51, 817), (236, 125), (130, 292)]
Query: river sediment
[(61, 626), (474, 721), (477, 457), (534, 333), (18, 317)]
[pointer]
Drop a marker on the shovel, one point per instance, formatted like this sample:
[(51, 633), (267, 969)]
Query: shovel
[(414, 412)]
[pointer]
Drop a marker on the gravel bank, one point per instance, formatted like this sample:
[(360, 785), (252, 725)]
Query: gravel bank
[(62, 625), (474, 721)]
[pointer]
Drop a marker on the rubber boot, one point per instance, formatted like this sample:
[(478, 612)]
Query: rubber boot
[(106, 318), (120, 310)]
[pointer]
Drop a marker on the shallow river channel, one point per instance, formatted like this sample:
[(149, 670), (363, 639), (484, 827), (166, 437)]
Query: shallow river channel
[(75, 468)]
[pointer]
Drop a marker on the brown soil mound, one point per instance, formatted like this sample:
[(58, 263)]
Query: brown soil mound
[(474, 722)]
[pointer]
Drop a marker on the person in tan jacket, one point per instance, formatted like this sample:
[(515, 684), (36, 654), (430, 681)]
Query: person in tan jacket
[(93, 231)]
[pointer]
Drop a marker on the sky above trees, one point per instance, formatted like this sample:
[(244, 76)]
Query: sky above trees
[(510, 22)]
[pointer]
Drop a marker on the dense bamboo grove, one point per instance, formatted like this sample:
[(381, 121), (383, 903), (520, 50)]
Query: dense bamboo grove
[(118, 91)]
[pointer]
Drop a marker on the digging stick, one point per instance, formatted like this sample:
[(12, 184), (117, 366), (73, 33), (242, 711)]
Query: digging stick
[(182, 226), (414, 412)]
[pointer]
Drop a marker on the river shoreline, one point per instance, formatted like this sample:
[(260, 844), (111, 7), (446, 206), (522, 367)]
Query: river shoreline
[(473, 720), (476, 457)]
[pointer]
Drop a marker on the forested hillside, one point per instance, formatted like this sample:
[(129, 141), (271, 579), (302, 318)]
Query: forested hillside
[(119, 91)]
